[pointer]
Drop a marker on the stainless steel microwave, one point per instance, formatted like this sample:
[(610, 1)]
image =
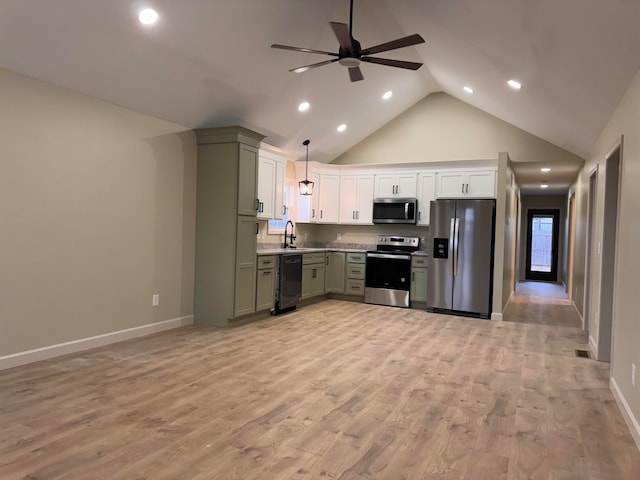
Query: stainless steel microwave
[(395, 210)]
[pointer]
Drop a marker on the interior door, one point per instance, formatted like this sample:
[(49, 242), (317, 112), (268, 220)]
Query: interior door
[(542, 245)]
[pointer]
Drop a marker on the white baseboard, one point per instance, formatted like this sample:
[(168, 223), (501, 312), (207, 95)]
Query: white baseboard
[(629, 417), (593, 346), (496, 317), (45, 353)]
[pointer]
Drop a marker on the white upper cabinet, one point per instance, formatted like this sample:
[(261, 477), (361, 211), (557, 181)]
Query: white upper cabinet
[(271, 168), (397, 184), (356, 199), (456, 183), (328, 198), (426, 193), (307, 205)]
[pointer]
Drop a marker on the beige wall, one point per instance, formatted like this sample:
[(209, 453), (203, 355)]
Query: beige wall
[(626, 336), (511, 196), (97, 212), (441, 128)]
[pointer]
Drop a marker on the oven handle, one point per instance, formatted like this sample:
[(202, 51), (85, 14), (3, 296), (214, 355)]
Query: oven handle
[(392, 256)]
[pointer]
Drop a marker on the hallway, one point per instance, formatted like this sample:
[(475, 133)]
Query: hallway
[(542, 303)]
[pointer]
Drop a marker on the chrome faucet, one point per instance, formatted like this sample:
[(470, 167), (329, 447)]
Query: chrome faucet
[(292, 237)]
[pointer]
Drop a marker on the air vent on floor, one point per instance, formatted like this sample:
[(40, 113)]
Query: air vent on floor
[(582, 353)]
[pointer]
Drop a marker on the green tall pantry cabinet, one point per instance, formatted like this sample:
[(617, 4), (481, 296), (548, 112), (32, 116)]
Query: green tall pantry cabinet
[(226, 224)]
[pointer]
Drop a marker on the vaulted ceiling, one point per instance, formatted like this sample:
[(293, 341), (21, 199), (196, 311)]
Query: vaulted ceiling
[(209, 63)]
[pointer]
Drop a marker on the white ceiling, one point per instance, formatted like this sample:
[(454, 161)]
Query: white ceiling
[(209, 62)]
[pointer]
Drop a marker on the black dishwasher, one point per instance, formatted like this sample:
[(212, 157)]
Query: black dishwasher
[(289, 283)]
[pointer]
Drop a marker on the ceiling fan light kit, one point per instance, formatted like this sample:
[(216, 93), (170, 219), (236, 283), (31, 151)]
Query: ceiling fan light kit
[(350, 54)]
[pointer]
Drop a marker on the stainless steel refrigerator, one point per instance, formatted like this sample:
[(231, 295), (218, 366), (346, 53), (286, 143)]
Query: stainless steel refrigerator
[(460, 263)]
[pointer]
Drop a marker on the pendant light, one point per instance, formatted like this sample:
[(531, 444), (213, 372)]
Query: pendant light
[(306, 186)]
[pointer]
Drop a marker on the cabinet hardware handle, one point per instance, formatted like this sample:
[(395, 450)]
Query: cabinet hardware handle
[(266, 272), (357, 214), (419, 215), (467, 188), (284, 209), (326, 262), (353, 215), (257, 204), (355, 287), (462, 188), (413, 276), (314, 273), (313, 213), (257, 228), (266, 261), (320, 213)]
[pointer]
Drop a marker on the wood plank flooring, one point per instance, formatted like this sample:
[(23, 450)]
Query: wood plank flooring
[(336, 390)]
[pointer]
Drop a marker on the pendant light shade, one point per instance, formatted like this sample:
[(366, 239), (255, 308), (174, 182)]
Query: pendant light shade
[(306, 186)]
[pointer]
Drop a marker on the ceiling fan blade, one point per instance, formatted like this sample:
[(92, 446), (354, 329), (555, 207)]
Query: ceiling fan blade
[(304, 50), (313, 65), (414, 39), (393, 63), (341, 31), (355, 74)]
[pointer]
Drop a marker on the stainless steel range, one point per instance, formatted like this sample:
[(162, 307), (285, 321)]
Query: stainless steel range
[(388, 272)]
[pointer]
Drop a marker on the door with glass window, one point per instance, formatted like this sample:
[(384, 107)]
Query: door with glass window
[(542, 245)]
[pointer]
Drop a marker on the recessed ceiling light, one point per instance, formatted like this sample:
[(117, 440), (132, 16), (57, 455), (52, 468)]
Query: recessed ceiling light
[(303, 107), (515, 84), (468, 89), (545, 169), (387, 95), (544, 185), (148, 16), (342, 127)]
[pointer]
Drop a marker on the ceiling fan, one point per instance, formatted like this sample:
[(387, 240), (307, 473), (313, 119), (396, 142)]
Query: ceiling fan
[(351, 54)]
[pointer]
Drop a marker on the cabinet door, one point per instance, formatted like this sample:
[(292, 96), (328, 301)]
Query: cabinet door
[(278, 192), (364, 207), (329, 199), (307, 205), (245, 278), (266, 183), (312, 280), (318, 280), (335, 272), (348, 198), (418, 291), (426, 193), (481, 184), (406, 185), (265, 289), (385, 185), (450, 184), (247, 180)]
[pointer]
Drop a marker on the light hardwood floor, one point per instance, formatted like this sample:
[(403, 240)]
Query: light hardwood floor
[(336, 390)]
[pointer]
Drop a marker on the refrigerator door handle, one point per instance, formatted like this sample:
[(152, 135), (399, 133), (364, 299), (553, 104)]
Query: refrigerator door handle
[(452, 245), (456, 234)]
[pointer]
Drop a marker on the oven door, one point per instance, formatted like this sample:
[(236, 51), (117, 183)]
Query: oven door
[(387, 279)]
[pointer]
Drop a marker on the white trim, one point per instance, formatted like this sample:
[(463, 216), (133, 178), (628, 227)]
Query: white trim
[(627, 414), (496, 317), (593, 345), (578, 312), (51, 351)]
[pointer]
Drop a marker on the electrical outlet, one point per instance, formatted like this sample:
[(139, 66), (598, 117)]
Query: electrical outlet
[(339, 236), (155, 300), (633, 374)]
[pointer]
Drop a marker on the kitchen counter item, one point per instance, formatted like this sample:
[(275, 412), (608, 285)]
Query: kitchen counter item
[(289, 283), (388, 271), (460, 268)]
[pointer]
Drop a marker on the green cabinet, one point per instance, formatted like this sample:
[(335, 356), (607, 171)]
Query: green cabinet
[(418, 293), (354, 281), (335, 272), (226, 208), (266, 282), (313, 271)]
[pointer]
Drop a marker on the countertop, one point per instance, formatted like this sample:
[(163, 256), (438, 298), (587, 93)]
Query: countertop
[(281, 251)]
